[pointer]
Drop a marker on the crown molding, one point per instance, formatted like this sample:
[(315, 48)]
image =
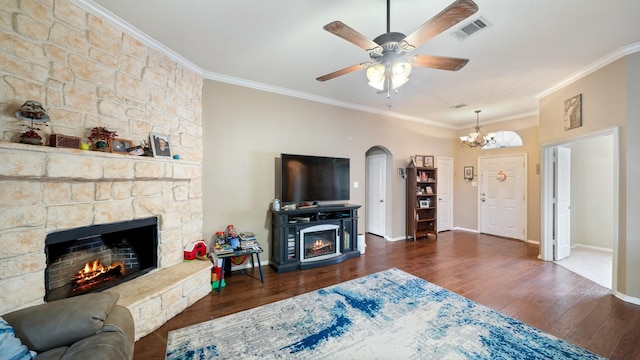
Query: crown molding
[(127, 28), (604, 61), (315, 98)]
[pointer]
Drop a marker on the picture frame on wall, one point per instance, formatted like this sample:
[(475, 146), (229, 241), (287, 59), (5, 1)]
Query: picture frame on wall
[(468, 172), (429, 161), (121, 146), (160, 145), (573, 112)]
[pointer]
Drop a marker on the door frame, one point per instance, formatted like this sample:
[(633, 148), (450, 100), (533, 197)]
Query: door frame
[(388, 175), (524, 191), (546, 194)]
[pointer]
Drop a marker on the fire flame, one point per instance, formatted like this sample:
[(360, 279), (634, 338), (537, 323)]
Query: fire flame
[(92, 270)]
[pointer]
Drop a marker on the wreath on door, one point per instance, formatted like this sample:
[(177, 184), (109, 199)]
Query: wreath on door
[(501, 176)]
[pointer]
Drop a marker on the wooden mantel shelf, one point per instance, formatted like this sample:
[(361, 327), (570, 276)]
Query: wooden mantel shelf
[(24, 161)]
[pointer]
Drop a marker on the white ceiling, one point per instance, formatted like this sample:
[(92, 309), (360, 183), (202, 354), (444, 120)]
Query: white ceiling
[(532, 47)]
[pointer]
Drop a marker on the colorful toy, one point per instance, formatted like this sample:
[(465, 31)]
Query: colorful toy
[(195, 249)]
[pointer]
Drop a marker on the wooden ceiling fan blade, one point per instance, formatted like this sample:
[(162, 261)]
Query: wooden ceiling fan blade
[(439, 62), (453, 14), (342, 30), (344, 71)]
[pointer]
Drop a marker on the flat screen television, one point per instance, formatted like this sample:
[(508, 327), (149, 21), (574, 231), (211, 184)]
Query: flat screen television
[(314, 179)]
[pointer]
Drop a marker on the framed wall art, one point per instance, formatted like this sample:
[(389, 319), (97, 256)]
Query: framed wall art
[(468, 172), (573, 112)]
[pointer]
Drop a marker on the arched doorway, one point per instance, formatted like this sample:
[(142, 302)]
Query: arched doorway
[(378, 169)]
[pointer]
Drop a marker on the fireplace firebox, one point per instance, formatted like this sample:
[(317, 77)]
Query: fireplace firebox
[(97, 257), (319, 242)]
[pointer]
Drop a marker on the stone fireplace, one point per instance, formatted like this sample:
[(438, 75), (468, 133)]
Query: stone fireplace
[(69, 199), (95, 258), (89, 73)]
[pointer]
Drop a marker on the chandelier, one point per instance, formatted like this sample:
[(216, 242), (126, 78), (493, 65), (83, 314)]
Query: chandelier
[(477, 138)]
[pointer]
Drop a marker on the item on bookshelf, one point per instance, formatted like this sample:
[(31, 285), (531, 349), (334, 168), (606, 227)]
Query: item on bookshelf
[(419, 161), (428, 161), (429, 190), (423, 176)]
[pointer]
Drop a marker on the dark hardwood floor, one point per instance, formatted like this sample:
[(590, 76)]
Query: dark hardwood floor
[(502, 274)]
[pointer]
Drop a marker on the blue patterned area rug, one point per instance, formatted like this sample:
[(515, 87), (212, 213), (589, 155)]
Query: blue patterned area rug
[(390, 314)]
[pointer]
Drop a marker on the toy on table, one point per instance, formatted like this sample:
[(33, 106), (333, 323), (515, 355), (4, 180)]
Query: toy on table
[(232, 237)]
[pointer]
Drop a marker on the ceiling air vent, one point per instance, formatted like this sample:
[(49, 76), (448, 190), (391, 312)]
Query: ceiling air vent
[(471, 28)]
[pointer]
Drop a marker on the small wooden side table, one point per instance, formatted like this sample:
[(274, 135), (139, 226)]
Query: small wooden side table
[(225, 257)]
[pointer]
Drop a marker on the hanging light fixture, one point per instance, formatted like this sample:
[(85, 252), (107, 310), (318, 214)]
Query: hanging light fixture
[(477, 138), (389, 76)]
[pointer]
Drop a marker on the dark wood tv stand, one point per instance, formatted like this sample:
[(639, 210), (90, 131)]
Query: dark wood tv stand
[(285, 235)]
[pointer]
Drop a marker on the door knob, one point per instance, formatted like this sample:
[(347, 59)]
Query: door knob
[(482, 199), (381, 200)]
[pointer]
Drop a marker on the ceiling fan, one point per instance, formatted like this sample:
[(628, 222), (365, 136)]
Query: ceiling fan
[(390, 65)]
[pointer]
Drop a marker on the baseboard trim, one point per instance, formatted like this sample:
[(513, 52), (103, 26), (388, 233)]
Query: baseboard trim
[(625, 298)]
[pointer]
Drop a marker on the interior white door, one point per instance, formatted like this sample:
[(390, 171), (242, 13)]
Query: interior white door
[(502, 188), (563, 203), (445, 193), (376, 194)]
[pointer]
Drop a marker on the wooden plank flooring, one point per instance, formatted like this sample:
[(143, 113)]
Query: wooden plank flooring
[(502, 274)]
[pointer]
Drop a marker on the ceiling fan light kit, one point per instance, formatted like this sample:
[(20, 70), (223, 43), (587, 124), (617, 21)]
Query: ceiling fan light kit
[(390, 65), (477, 138)]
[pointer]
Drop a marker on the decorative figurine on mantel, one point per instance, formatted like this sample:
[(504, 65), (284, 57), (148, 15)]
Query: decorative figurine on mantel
[(34, 112), (101, 138)]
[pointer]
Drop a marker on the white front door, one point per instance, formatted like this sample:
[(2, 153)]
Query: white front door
[(376, 194), (563, 203), (502, 201), (445, 194)]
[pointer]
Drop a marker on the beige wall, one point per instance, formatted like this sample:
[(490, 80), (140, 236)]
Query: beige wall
[(609, 99), (466, 195), (246, 130)]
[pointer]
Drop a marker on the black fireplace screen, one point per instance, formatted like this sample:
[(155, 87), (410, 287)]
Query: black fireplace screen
[(97, 257)]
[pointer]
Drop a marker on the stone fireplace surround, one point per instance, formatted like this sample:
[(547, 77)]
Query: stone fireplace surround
[(52, 189)]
